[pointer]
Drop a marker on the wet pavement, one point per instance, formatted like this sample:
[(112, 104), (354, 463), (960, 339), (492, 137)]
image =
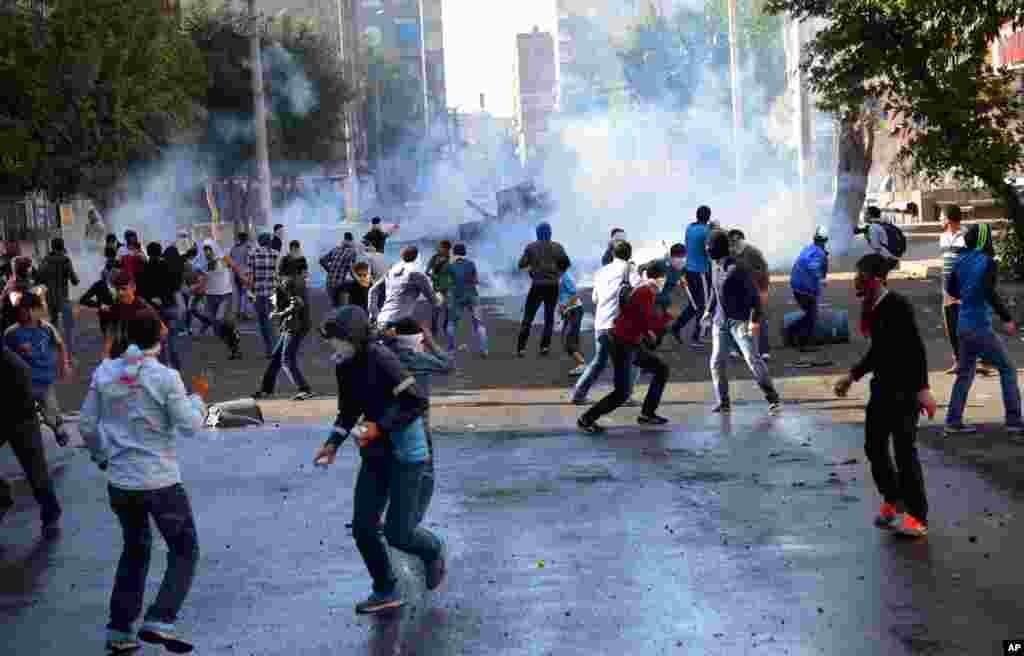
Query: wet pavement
[(736, 535)]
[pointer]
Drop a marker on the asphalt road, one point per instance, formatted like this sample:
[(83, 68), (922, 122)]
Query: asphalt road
[(741, 535)]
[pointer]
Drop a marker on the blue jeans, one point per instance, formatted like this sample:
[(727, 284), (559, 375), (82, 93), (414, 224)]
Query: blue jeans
[(264, 323), (983, 343), (286, 354), (172, 513), (67, 325), (170, 317), (454, 318), (384, 482), (736, 334), (802, 330), (597, 366)]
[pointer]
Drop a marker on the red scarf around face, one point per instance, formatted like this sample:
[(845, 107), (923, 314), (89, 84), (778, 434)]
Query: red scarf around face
[(872, 289)]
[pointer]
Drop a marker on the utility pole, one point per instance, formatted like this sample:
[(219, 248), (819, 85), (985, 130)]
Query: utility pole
[(260, 110), (347, 46), (737, 109)]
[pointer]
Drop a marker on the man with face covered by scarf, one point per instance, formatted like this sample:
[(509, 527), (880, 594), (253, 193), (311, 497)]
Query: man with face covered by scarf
[(973, 283), (373, 385), (899, 393), (734, 311)]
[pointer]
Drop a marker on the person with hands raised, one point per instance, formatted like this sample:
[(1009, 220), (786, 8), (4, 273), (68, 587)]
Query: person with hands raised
[(373, 385), (899, 395)]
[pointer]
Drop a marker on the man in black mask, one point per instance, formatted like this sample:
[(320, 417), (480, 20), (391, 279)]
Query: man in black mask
[(394, 453)]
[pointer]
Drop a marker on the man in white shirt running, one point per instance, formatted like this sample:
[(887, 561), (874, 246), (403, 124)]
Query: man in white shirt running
[(607, 281)]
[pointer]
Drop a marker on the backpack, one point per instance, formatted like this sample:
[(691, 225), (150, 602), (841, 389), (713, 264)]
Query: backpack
[(625, 287), (895, 240)]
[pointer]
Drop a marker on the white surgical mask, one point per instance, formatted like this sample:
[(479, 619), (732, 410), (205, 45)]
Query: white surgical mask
[(678, 263), (342, 350)]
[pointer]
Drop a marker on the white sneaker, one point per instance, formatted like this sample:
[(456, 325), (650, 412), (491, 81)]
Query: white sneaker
[(766, 356), (578, 371)]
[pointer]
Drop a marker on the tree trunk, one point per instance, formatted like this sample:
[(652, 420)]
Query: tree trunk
[(853, 164)]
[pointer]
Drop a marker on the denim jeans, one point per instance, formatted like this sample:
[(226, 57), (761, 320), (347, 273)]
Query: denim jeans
[(383, 482), (217, 306), (27, 442), (66, 323), (597, 366), (172, 513), (985, 344), (263, 310), (171, 357), (572, 323), (736, 334), (626, 358), (895, 418), (454, 318), (285, 354)]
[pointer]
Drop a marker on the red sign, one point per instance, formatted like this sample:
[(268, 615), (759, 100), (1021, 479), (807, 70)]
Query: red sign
[(1011, 49)]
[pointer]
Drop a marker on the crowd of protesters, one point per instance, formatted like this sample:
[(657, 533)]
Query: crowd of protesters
[(382, 335)]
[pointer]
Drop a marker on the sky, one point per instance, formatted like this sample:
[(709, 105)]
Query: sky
[(479, 43)]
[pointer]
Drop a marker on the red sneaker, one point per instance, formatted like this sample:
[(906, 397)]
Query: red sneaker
[(887, 515), (910, 527)]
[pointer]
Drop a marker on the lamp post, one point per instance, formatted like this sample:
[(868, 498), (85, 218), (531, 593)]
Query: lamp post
[(260, 111), (737, 109)]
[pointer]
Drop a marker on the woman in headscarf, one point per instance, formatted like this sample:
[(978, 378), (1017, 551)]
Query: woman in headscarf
[(215, 269)]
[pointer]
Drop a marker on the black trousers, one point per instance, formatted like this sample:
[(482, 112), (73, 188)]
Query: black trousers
[(951, 314), (27, 442), (895, 420), (548, 295), (624, 358)]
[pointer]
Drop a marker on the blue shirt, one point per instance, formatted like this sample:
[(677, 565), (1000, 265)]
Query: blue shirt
[(973, 281), (567, 290), (464, 279), (809, 270), (42, 358), (696, 248)]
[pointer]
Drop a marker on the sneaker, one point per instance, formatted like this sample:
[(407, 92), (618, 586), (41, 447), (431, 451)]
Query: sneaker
[(437, 571), (1015, 429), (51, 524), (591, 427), (631, 403), (722, 408), (696, 345), (578, 371), (304, 395), (985, 371), (960, 429), (678, 336), (888, 515), (235, 355), (586, 400), (163, 635), (183, 333), (544, 351), (766, 356), (121, 642), (734, 355), (775, 407), (259, 396), (63, 439), (651, 420), (909, 526), (520, 354), (378, 602), (484, 355)]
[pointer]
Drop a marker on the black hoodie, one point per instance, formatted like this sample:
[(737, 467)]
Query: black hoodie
[(373, 384)]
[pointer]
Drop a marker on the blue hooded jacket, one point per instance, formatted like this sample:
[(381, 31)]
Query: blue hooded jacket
[(544, 231), (809, 270), (542, 257)]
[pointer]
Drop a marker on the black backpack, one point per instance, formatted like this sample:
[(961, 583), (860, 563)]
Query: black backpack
[(896, 241), (625, 287)]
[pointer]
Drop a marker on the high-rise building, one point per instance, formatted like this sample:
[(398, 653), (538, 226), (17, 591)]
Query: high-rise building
[(535, 91)]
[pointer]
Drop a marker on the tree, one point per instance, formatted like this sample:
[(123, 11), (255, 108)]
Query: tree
[(664, 60), (923, 62), (304, 85), (90, 90), (594, 69)]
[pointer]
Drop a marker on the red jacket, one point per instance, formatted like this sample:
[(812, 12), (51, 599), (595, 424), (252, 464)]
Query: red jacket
[(638, 316)]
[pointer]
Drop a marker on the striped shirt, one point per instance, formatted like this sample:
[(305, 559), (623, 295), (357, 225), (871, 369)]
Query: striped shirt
[(952, 246), (263, 271)]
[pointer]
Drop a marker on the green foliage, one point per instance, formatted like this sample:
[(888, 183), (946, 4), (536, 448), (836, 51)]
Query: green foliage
[(923, 62), (1010, 252), (95, 87), (298, 63)]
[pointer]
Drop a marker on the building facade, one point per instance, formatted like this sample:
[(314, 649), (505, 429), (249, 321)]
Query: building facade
[(535, 92)]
